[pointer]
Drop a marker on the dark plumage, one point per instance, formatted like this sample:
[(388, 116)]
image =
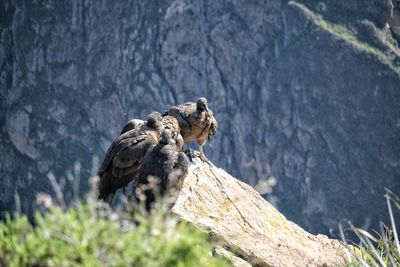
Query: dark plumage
[(163, 163), (172, 124), (132, 124), (196, 122), (125, 156), (167, 121)]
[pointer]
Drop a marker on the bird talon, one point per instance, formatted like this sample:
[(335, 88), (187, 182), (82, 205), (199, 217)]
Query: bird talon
[(204, 159), (207, 161)]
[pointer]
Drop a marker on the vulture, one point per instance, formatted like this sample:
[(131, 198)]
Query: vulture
[(196, 122), (164, 167), (125, 156)]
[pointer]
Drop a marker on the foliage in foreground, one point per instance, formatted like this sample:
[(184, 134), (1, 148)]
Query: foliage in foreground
[(378, 249), (89, 235)]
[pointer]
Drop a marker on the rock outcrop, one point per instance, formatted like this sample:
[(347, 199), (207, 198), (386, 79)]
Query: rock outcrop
[(248, 228)]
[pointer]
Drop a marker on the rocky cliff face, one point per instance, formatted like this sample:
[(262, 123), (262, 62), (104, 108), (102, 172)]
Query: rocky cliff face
[(307, 94)]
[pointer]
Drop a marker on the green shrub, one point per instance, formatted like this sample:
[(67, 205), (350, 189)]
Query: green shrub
[(91, 235)]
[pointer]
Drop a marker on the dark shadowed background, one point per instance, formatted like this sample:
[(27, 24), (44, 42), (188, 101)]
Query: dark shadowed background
[(307, 93)]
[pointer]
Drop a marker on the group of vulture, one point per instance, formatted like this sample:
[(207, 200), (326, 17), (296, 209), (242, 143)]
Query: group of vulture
[(153, 149)]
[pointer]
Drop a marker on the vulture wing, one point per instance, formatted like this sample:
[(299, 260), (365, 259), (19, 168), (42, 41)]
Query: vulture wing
[(128, 158), (128, 138)]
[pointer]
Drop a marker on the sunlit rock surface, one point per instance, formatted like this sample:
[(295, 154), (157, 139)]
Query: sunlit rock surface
[(247, 225)]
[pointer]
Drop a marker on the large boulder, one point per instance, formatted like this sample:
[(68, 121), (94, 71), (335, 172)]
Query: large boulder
[(247, 226)]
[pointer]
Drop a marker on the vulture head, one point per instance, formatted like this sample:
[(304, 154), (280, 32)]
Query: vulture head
[(201, 104), (154, 120), (166, 137)]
